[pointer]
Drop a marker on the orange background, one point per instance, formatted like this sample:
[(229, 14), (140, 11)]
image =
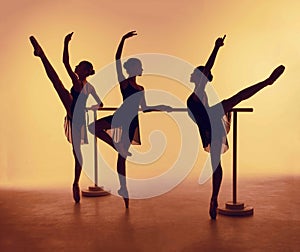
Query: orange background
[(260, 36)]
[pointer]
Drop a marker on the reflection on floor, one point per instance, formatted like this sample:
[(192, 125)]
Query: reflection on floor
[(48, 220)]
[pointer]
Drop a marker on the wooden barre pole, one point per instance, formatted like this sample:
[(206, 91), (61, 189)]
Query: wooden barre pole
[(115, 108), (234, 159), (173, 109), (242, 110), (231, 209), (235, 208)]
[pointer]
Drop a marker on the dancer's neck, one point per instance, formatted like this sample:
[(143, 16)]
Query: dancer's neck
[(200, 93), (199, 90)]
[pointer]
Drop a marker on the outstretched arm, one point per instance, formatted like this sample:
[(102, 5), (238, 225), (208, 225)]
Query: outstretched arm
[(76, 83), (121, 76), (210, 62), (145, 108)]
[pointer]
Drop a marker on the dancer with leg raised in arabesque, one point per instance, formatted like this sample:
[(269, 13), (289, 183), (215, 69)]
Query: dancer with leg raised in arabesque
[(75, 129), (210, 118)]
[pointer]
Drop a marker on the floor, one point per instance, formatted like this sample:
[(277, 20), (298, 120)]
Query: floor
[(48, 220)]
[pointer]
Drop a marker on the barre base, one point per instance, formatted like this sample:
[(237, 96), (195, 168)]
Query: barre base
[(236, 209), (95, 191)]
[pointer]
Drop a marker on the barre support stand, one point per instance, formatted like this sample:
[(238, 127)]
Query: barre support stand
[(235, 208), (95, 191)]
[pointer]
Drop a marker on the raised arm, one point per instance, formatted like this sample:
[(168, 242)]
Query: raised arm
[(120, 74), (76, 83), (210, 62)]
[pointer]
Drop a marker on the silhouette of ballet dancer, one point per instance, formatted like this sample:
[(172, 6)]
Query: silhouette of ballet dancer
[(125, 117), (75, 129), (205, 116)]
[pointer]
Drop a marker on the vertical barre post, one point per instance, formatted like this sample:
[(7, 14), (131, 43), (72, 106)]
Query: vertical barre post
[(95, 153), (234, 159), (95, 191), (234, 208)]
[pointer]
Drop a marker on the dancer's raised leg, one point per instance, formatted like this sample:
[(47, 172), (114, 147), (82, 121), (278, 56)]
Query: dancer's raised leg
[(252, 90), (99, 128), (62, 92)]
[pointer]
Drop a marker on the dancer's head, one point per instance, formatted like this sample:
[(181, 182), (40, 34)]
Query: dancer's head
[(198, 74), (84, 69), (133, 67)]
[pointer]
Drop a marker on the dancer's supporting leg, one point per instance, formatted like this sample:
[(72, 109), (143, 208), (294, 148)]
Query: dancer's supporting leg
[(121, 168), (252, 90), (76, 144), (98, 128), (215, 155)]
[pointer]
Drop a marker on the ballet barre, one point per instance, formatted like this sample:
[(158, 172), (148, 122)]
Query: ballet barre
[(234, 208), (115, 108), (96, 190)]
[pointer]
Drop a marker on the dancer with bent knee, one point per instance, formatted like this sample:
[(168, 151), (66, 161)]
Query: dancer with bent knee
[(211, 118), (75, 129), (125, 117)]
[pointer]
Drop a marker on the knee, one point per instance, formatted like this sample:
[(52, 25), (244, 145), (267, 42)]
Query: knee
[(218, 171), (91, 128), (121, 161)]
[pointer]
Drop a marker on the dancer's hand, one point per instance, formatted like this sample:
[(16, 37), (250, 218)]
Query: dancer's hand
[(96, 106), (129, 34), (220, 41), (68, 37), (166, 108)]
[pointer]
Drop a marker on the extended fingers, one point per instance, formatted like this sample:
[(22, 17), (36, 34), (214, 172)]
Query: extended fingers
[(130, 34)]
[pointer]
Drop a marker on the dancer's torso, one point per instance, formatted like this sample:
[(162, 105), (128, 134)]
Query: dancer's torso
[(79, 101), (132, 95), (198, 113)]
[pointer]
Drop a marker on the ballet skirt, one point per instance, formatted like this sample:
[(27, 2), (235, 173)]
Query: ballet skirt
[(79, 99)]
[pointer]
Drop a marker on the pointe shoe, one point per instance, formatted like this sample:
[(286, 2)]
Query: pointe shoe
[(37, 48), (126, 201), (124, 193), (275, 74), (213, 209), (76, 193)]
